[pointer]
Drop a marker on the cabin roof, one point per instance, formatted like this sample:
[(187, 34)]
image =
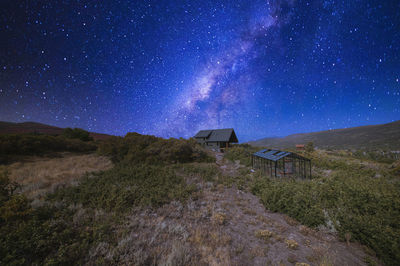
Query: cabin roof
[(203, 134), (218, 135)]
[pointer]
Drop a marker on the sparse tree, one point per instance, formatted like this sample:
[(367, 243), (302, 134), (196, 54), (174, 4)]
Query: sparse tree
[(77, 133), (309, 147)]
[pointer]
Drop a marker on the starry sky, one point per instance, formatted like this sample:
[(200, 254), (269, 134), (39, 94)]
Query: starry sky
[(169, 68)]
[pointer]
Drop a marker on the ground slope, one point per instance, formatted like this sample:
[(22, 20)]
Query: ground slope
[(224, 226), (386, 136), (33, 127)]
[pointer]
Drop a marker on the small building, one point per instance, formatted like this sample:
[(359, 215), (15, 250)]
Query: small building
[(216, 139), (300, 147), (275, 163)]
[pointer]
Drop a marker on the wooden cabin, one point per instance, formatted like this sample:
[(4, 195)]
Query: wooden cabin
[(216, 139), (300, 147)]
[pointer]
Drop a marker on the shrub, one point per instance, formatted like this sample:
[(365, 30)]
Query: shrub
[(29, 236), (49, 235), (26, 144), (136, 148), (241, 152), (263, 234), (77, 133), (291, 243), (309, 147), (126, 186)]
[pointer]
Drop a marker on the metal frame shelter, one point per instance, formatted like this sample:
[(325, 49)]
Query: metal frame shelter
[(277, 163)]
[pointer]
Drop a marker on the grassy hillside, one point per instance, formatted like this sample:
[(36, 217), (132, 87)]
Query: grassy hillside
[(385, 137), (15, 146), (356, 198), (33, 127), (170, 201), (75, 219)]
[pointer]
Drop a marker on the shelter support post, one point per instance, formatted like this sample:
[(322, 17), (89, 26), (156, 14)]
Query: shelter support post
[(284, 168)]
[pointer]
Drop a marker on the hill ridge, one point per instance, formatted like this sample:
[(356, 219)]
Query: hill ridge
[(381, 136), (31, 127)]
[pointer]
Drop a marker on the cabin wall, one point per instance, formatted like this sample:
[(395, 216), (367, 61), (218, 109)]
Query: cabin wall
[(201, 141)]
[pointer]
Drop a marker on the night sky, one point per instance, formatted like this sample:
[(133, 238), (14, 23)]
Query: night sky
[(170, 68)]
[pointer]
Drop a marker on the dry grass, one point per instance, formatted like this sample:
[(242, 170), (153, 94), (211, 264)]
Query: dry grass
[(43, 175), (213, 245), (304, 230), (321, 256), (263, 234), (249, 211), (264, 220), (291, 243), (258, 252), (219, 218), (290, 220)]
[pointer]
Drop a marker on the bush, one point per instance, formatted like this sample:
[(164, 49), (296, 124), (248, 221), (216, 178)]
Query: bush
[(126, 186), (309, 147), (26, 144), (136, 148), (35, 236), (51, 234), (348, 202), (77, 133), (241, 152)]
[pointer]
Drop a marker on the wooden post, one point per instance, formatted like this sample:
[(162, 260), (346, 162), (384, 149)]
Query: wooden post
[(263, 165), (284, 168), (270, 166)]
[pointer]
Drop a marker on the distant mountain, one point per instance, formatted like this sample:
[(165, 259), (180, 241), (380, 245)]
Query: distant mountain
[(32, 127), (386, 136)]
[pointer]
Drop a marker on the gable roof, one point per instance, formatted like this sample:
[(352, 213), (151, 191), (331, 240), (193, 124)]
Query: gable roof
[(203, 134), (216, 135)]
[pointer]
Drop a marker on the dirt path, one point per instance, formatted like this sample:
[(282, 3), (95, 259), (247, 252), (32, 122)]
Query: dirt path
[(227, 167), (226, 226)]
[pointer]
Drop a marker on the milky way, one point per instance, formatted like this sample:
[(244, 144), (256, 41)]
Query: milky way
[(222, 86), (170, 68)]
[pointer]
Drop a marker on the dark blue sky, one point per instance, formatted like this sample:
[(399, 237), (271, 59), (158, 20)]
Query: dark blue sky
[(170, 68)]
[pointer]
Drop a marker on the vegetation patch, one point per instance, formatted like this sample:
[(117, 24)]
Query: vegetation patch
[(32, 144), (77, 133), (206, 171), (126, 186), (347, 202), (264, 234), (291, 243), (70, 223), (136, 148), (219, 218), (45, 235), (241, 152), (40, 176)]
